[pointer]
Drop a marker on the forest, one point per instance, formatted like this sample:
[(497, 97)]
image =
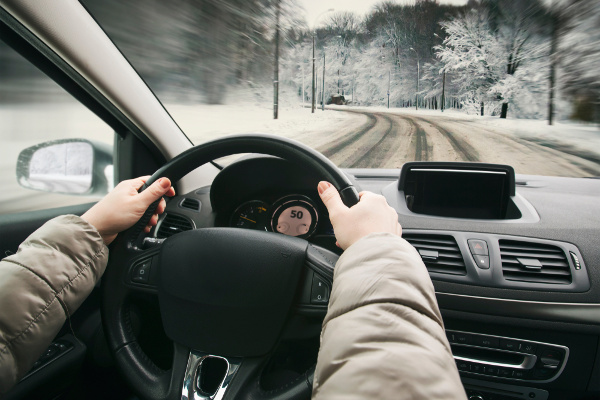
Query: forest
[(524, 59)]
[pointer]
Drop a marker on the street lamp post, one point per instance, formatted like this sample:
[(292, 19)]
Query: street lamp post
[(323, 91), (313, 99), (418, 73)]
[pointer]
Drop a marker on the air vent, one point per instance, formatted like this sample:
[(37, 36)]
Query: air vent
[(440, 253), (173, 224), (534, 262), (190, 204)]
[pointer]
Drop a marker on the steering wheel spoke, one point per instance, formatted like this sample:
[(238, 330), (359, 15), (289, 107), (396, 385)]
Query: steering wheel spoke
[(317, 282)]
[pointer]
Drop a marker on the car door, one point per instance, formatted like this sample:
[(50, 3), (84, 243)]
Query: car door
[(41, 107)]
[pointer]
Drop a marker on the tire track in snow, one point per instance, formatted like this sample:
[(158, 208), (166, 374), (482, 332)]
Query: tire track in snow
[(421, 147), (462, 147), (335, 147), (374, 157)]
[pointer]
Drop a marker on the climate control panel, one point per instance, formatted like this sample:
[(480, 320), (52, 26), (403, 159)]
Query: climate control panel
[(507, 358)]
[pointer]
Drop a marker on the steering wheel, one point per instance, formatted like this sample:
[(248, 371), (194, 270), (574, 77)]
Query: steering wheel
[(225, 294)]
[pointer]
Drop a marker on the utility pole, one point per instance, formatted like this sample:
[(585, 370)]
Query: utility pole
[(353, 99), (323, 92), (312, 99), (555, 17), (389, 85), (443, 90), (303, 94), (276, 71), (418, 74), (314, 79), (338, 81)]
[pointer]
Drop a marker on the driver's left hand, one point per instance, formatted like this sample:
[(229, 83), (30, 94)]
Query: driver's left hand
[(124, 206)]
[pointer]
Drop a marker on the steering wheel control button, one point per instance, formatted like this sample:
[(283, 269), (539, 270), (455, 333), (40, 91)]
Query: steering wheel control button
[(320, 291), (141, 271), (482, 262), (478, 247)]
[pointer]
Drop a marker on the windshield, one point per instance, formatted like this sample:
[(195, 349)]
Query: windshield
[(375, 84)]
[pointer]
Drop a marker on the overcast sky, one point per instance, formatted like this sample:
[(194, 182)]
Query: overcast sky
[(315, 7)]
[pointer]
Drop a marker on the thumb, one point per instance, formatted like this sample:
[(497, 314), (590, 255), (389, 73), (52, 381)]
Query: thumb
[(331, 197), (155, 191)]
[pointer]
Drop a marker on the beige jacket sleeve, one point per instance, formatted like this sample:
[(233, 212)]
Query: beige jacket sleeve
[(383, 335), (48, 278)]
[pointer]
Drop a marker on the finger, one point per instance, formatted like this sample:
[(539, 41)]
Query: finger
[(331, 197), (137, 183), (153, 221), (155, 191), (161, 207)]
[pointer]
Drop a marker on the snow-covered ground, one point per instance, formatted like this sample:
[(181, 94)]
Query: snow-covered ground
[(580, 136), (205, 122)]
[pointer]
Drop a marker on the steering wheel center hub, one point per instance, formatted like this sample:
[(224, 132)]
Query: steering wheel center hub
[(228, 291)]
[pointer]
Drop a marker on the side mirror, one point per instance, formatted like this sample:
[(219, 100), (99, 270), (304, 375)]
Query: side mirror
[(68, 166)]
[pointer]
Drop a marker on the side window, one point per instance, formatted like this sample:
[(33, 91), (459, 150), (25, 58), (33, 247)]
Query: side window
[(35, 110)]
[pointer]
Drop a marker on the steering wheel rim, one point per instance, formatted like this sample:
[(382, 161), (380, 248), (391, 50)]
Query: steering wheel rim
[(140, 372)]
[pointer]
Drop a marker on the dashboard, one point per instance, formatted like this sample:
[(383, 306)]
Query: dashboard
[(519, 295)]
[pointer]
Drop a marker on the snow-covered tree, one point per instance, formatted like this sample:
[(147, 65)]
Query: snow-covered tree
[(474, 53)]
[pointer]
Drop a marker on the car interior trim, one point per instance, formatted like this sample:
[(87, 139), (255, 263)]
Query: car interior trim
[(190, 388), (582, 313)]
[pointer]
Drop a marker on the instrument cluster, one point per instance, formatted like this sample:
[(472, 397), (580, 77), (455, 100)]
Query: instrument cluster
[(292, 215)]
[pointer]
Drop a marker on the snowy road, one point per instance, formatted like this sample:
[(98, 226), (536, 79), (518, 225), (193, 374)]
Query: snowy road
[(387, 140)]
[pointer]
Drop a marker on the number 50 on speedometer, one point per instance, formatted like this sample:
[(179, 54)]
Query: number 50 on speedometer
[(294, 216)]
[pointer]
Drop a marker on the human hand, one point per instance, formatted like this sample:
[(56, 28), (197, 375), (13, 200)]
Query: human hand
[(124, 206), (371, 214)]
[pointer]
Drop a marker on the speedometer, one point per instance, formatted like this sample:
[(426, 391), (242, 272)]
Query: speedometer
[(294, 216)]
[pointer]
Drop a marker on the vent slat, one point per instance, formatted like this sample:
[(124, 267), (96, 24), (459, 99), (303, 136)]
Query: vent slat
[(434, 247), (173, 224), (545, 263), (555, 266), (450, 260), (532, 255), (531, 248), (543, 271), (432, 242)]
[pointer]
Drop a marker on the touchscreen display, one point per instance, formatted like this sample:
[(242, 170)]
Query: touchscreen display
[(462, 194)]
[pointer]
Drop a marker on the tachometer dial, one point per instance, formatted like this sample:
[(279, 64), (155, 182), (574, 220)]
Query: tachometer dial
[(251, 215), (294, 216)]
